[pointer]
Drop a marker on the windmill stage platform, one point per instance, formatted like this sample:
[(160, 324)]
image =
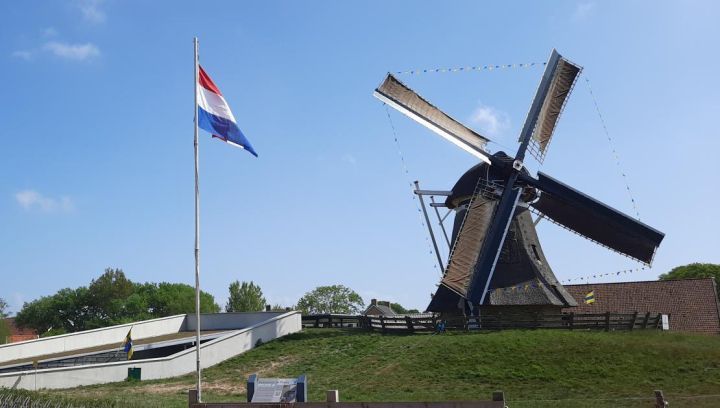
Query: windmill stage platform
[(163, 348)]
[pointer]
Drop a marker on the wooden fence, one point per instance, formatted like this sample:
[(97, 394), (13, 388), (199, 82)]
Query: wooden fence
[(497, 401), (429, 322), (331, 320), (448, 404)]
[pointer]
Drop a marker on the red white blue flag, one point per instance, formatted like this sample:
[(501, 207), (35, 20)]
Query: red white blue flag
[(214, 114)]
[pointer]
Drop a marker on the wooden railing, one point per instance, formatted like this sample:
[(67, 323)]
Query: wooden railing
[(431, 322), (331, 320), (497, 401)]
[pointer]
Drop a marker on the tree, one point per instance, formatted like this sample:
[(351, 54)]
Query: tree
[(397, 308), (74, 314), (178, 298), (107, 296), (694, 270), (331, 299), (4, 330), (109, 300), (64, 312), (3, 308), (245, 297)]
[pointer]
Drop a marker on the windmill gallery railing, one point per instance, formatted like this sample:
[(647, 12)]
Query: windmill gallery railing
[(499, 321)]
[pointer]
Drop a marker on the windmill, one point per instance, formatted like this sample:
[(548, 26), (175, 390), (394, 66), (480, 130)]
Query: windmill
[(495, 256)]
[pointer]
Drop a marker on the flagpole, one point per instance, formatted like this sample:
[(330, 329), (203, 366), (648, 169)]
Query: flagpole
[(197, 236)]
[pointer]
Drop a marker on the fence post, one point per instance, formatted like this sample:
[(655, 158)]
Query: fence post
[(332, 396), (646, 320), (192, 397), (410, 325), (382, 323), (632, 325), (660, 401), (498, 396), (607, 321), (572, 320), (317, 321)]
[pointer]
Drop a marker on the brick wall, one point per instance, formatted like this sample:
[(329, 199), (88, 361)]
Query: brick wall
[(691, 303), (18, 334)]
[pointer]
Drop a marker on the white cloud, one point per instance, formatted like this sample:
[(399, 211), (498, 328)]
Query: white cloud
[(350, 159), (77, 52), (583, 10), (26, 55), (31, 199), (490, 121), (61, 49), (50, 32), (91, 11)]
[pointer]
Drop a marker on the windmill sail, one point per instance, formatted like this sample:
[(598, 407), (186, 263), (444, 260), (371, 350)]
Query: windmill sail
[(595, 220), (553, 92), (563, 81), (493, 244), (408, 102), (469, 237)]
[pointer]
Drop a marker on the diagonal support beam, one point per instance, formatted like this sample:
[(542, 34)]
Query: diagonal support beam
[(427, 221)]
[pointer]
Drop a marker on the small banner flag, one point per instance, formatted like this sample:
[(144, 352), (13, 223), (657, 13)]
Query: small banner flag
[(590, 298), (128, 345), (214, 114)]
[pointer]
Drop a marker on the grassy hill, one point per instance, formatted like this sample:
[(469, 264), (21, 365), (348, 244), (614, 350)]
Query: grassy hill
[(539, 368)]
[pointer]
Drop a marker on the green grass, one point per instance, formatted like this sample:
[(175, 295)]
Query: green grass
[(534, 368)]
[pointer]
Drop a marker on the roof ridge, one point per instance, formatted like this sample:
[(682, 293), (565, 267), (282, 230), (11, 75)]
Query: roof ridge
[(645, 281)]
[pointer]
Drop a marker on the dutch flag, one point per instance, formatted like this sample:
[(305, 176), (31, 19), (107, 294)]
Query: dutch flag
[(214, 114)]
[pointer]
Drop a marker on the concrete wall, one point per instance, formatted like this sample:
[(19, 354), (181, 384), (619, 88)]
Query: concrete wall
[(92, 338), (212, 352), (228, 321)]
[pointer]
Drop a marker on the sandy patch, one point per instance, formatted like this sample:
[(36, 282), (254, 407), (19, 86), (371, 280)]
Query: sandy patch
[(220, 386)]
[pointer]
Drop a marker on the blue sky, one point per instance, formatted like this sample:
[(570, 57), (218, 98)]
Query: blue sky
[(97, 136)]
